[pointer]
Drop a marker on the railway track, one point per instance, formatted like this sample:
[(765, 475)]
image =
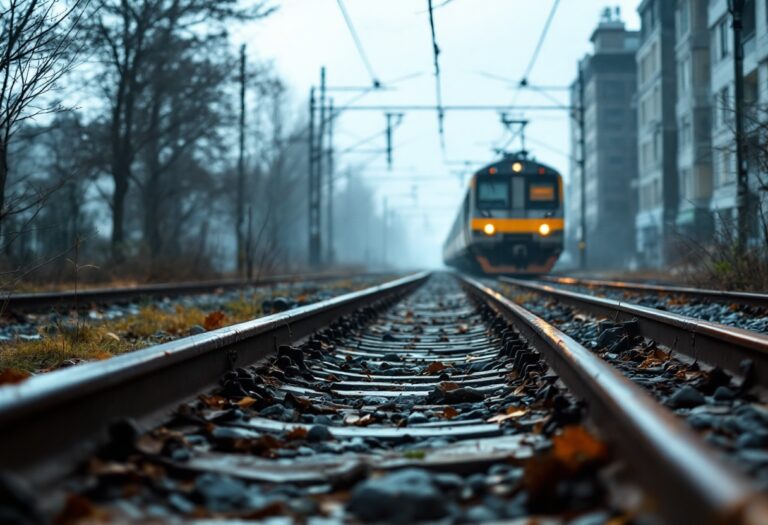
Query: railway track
[(427, 398), (759, 300), (42, 301), (741, 352)]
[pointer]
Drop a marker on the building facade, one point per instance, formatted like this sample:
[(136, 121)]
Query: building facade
[(657, 181), (610, 131), (694, 121), (755, 42)]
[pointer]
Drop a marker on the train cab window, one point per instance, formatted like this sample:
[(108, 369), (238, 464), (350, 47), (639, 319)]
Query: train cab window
[(542, 194), (492, 194)]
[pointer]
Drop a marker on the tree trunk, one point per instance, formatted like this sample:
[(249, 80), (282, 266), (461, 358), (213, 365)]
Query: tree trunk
[(3, 177), (120, 176)]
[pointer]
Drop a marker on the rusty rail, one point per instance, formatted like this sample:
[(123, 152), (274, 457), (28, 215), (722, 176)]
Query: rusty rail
[(715, 296), (51, 421), (42, 301), (728, 347), (691, 485)]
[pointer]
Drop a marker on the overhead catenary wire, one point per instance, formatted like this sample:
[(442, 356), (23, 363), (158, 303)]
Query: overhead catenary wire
[(438, 83), (358, 44), (540, 43), (535, 56)]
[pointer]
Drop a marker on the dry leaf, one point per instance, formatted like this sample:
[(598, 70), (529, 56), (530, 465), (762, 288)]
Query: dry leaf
[(448, 386), (297, 433), (510, 413), (435, 367), (246, 402), (214, 320), (462, 329), (9, 376), (575, 447), (111, 335), (449, 413), (78, 509), (214, 401)]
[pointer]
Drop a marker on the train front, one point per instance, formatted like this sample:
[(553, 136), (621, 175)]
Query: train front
[(516, 224)]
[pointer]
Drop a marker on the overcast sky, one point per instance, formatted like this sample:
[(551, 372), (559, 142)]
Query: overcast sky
[(475, 36)]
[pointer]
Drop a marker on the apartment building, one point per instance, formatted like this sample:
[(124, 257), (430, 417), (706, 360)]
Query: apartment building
[(610, 129), (694, 120), (755, 42), (657, 182)]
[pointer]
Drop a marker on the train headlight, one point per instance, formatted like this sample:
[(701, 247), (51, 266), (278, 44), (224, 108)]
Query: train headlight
[(517, 167), (544, 230), (489, 229)]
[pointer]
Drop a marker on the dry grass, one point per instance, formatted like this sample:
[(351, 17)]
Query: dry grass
[(90, 342)]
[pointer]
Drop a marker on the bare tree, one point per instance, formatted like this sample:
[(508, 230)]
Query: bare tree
[(126, 36), (38, 46)]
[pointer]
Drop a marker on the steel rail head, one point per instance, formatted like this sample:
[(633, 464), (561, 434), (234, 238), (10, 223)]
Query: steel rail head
[(673, 464), (717, 296), (50, 421), (725, 346)]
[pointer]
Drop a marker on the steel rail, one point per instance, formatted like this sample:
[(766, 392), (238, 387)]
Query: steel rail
[(716, 296), (671, 461), (51, 421), (725, 346), (41, 301)]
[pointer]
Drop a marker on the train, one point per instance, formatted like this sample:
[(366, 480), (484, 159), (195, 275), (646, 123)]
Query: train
[(511, 221)]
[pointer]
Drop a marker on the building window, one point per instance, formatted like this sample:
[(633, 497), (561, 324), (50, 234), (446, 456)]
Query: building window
[(749, 19), (723, 107), (722, 38), (683, 18), (685, 132), (683, 77)]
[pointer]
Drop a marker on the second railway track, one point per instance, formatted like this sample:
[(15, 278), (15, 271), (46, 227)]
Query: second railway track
[(412, 401)]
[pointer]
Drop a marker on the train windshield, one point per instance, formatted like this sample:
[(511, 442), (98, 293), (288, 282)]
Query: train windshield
[(542, 193), (492, 194)]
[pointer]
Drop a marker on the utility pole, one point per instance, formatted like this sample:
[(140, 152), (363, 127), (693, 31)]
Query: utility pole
[(329, 243), (736, 7), (389, 140), (583, 174), (240, 203), (393, 120), (314, 200), (385, 231), (320, 154)]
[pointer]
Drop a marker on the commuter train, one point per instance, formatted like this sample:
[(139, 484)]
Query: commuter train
[(511, 220)]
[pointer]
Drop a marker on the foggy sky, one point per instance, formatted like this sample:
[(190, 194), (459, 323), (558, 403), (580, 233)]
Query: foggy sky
[(492, 36)]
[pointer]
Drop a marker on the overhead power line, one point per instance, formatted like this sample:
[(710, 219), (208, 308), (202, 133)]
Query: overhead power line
[(540, 43), (359, 44), (438, 87)]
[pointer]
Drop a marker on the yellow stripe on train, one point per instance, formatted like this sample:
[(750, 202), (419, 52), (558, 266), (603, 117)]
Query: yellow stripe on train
[(517, 225)]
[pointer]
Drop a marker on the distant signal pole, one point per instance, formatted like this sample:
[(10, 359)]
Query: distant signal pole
[(736, 8), (240, 199)]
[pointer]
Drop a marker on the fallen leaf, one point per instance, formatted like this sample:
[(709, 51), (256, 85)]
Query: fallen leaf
[(462, 329), (509, 413), (575, 446), (435, 367), (246, 402), (112, 335), (78, 509), (364, 421), (448, 386), (214, 320), (297, 433), (9, 376), (449, 413), (214, 401)]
